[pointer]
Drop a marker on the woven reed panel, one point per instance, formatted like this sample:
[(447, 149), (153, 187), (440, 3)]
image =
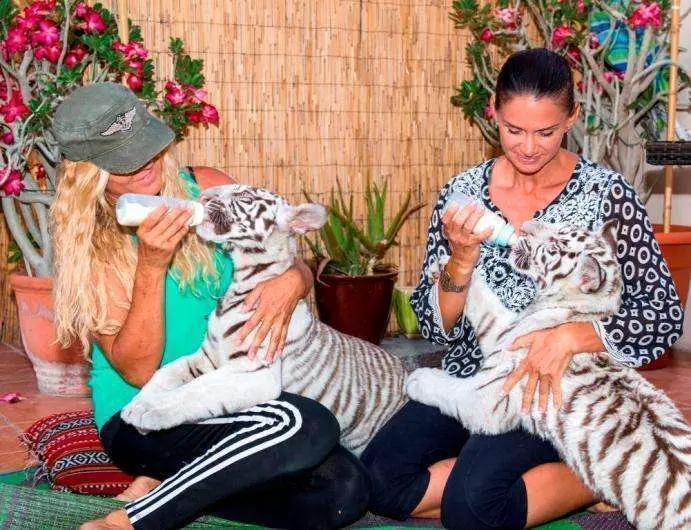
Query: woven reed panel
[(314, 90)]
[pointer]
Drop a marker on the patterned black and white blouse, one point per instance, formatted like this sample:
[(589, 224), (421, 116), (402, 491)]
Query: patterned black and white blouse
[(650, 317)]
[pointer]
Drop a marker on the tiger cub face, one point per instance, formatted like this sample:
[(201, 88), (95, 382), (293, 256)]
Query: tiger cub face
[(243, 217), (567, 262)]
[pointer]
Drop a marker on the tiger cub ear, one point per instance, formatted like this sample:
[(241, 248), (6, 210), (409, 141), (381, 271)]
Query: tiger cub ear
[(589, 274), (300, 219), (609, 231)]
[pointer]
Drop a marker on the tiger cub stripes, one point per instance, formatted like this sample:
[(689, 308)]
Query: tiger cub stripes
[(360, 383), (625, 438)]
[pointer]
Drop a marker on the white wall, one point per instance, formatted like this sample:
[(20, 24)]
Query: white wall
[(681, 202)]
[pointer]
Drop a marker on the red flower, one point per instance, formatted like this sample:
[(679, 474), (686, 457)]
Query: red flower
[(594, 42), (27, 22), (93, 22), (486, 35), (16, 41), (14, 109), (39, 172), (71, 60), (134, 81), (81, 10), (489, 112), (580, 86), (195, 95), (40, 9), (137, 49), (574, 54), (195, 116), (561, 35), (46, 34), (646, 15), (13, 185), (580, 7), (119, 46), (174, 93), (209, 113), (7, 137), (80, 51), (50, 53)]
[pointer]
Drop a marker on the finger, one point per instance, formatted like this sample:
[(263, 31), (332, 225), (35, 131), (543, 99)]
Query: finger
[(461, 216), (178, 218), (557, 397), (247, 327), (449, 213), (544, 392), (524, 341), (529, 393), (473, 218), (514, 378), (175, 239), (253, 298), (282, 340), (153, 218), (259, 339), (484, 234), (272, 352)]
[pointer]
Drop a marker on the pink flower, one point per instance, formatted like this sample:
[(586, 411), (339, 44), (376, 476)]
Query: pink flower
[(81, 10), (14, 109), (508, 17), (580, 7), (7, 137), (486, 35), (561, 35), (611, 76), (646, 15), (13, 185), (40, 9), (137, 49), (489, 112), (134, 81), (174, 93), (46, 34), (50, 53), (137, 66), (16, 41), (580, 86), (119, 46), (593, 41), (75, 56), (195, 95), (93, 22), (71, 60), (209, 113), (80, 51)]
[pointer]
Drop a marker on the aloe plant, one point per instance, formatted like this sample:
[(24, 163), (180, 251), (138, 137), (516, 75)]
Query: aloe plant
[(343, 246)]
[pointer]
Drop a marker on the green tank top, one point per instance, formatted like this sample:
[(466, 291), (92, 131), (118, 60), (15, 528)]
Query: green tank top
[(186, 316)]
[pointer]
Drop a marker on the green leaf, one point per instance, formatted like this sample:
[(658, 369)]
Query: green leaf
[(175, 46)]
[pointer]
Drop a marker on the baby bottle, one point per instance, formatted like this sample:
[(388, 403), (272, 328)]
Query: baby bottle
[(503, 234), (132, 208)]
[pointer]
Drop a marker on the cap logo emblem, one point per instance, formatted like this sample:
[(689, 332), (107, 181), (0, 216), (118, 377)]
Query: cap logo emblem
[(123, 122)]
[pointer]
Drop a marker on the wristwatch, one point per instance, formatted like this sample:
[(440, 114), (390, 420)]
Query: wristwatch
[(447, 284)]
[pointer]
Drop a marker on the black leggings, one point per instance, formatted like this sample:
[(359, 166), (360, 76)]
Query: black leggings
[(485, 489), (278, 464)]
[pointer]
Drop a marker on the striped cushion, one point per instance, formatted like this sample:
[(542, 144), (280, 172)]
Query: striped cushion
[(71, 455)]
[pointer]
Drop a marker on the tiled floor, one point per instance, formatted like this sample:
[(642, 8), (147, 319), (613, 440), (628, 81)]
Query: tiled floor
[(17, 375)]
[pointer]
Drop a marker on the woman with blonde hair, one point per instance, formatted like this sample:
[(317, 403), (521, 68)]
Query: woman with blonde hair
[(140, 298)]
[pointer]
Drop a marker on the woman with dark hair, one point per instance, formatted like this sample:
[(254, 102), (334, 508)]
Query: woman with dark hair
[(425, 464)]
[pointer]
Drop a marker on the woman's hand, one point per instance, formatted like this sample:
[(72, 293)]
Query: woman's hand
[(160, 234), (458, 226), (549, 354), (273, 302)]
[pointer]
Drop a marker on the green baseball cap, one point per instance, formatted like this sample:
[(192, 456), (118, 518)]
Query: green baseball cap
[(107, 124)]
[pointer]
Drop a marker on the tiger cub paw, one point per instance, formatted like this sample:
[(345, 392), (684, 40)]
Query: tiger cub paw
[(146, 416), (421, 384)]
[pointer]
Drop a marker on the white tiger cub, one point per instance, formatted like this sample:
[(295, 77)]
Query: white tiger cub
[(625, 438), (360, 383)]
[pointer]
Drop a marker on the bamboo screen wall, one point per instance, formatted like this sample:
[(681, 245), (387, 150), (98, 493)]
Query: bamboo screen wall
[(314, 90)]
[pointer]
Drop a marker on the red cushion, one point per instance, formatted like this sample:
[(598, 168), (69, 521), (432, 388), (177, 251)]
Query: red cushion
[(71, 455)]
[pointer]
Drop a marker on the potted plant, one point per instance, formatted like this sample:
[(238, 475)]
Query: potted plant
[(48, 49), (353, 286), (620, 54)]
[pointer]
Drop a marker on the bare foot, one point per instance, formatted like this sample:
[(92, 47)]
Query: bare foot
[(139, 487), (602, 507), (113, 521)]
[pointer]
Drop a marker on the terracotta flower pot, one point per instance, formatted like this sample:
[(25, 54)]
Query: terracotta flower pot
[(59, 371), (359, 306), (676, 249)]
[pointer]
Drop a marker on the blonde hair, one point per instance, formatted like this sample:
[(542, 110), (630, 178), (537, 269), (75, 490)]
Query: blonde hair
[(89, 241)]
